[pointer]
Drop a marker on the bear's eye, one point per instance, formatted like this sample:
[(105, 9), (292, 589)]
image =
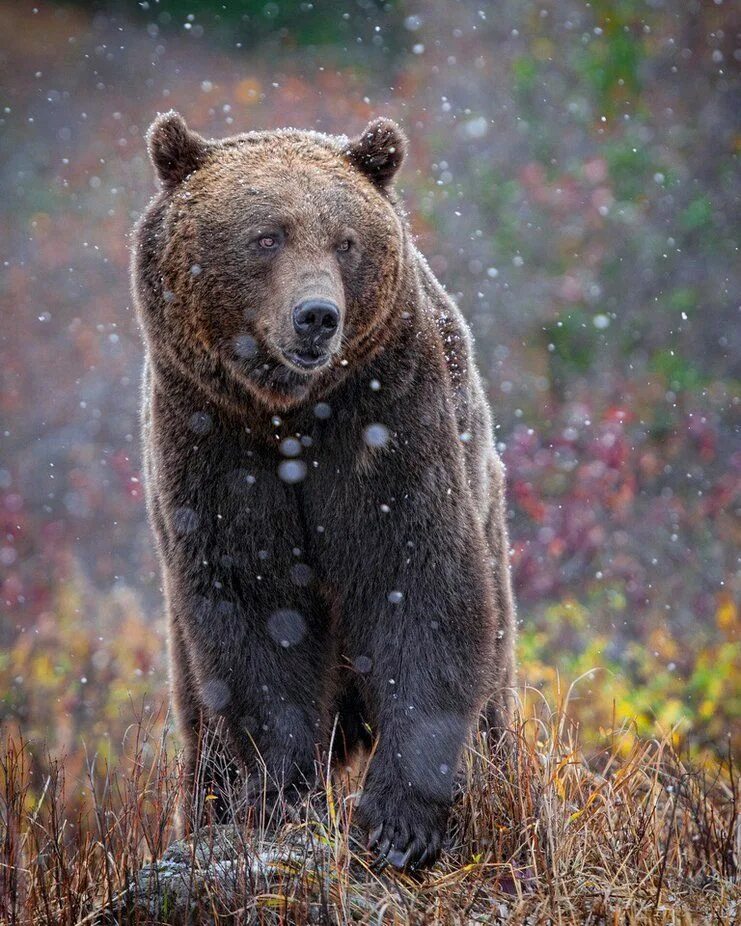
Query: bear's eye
[(267, 242), (344, 245)]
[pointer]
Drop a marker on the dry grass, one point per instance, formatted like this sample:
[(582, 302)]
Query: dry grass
[(541, 834)]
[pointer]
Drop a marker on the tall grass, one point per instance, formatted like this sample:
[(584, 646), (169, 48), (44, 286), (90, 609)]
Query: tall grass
[(540, 833)]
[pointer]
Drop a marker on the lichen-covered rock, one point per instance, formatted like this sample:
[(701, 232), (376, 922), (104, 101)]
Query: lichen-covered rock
[(207, 877)]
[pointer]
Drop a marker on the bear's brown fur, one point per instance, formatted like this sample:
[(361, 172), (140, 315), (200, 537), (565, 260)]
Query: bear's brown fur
[(321, 473)]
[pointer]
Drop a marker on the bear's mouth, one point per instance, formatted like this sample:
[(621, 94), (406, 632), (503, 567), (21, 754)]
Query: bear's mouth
[(306, 360)]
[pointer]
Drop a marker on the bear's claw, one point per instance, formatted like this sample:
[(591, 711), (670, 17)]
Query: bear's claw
[(405, 846)]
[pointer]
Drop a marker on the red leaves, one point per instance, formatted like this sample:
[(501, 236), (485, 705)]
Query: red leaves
[(602, 497)]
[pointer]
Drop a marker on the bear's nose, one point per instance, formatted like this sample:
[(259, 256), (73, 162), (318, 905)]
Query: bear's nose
[(316, 318)]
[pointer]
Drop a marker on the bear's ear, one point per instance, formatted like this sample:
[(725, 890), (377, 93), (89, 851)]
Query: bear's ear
[(378, 152), (175, 150)]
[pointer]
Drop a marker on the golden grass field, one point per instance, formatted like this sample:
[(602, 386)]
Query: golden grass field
[(540, 833)]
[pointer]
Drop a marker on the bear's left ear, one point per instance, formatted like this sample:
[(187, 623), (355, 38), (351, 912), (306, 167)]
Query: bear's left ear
[(175, 150), (378, 152)]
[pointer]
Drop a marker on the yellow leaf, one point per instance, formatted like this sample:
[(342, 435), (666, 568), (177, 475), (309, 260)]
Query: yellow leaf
[(727, 613)]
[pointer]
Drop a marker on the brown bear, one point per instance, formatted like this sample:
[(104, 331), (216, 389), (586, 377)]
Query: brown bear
[(321, 475)]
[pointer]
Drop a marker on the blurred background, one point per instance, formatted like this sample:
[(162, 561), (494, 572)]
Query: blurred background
[(572, 180)]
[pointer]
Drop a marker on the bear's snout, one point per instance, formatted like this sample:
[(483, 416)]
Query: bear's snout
[(316, 320)]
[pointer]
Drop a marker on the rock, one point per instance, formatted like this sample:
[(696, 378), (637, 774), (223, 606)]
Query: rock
[(217, 871)]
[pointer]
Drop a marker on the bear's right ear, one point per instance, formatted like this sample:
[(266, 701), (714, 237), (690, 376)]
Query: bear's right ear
[(175, 150)]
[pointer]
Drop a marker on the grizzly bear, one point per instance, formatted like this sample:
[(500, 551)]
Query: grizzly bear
[(321, 476)]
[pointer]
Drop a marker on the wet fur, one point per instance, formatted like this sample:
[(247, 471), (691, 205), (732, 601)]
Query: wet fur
[(423, 515)]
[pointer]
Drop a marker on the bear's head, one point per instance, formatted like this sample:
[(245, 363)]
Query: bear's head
[(271, 261)]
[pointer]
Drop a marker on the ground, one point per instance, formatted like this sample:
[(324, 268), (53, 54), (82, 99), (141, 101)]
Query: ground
[(539, 834)]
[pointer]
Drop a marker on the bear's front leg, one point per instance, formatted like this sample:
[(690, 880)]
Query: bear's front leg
[(255, 654), (419, 628)]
